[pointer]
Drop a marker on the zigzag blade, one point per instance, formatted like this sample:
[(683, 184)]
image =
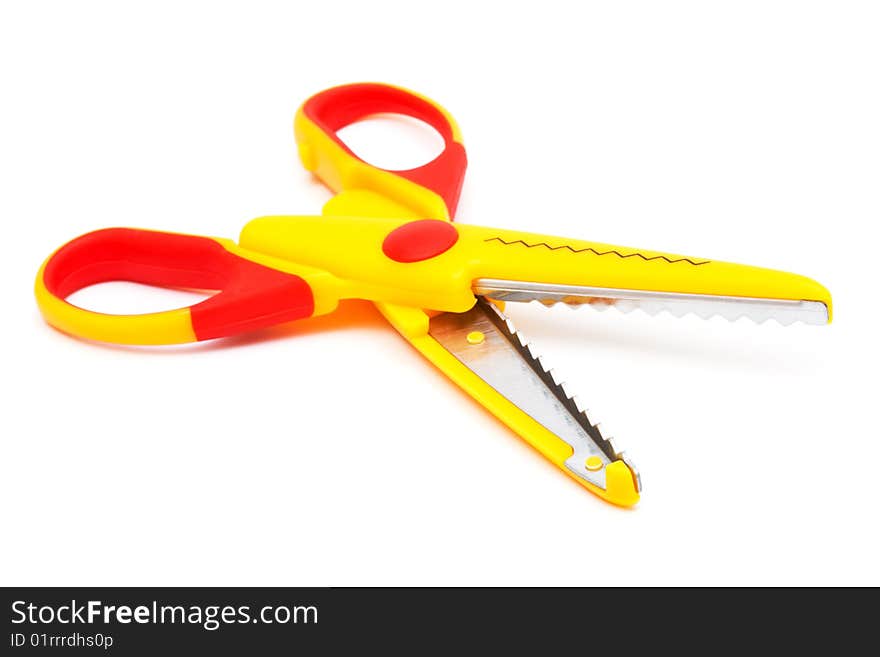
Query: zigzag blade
[(759, 310), (551, 379), (488, 344)]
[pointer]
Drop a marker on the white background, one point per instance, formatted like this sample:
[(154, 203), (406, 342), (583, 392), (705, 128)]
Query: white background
[(328, 452)]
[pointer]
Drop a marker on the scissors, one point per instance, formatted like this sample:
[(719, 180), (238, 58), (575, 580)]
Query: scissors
[(387, 237)]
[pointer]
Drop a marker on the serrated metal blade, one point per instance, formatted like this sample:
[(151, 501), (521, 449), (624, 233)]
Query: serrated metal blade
[(487, 343), (784, 311)]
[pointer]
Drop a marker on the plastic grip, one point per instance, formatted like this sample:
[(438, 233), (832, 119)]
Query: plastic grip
[(250, 295), (335, 108)]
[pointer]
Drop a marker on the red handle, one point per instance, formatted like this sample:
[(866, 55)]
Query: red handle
[(335, 108), (251, 295)]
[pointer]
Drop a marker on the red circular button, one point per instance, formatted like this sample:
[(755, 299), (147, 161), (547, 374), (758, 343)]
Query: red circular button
[(419, 240)]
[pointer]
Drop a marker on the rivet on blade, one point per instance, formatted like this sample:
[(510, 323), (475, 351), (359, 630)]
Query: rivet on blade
[(593, 463), (475, 337)]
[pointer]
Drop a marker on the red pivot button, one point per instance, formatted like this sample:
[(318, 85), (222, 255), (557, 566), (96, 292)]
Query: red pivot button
[(419, 240)]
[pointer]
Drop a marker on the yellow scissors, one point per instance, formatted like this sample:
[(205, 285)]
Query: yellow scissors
[(388, 237)]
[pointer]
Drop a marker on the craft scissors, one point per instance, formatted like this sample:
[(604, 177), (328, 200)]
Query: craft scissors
[(388, 237)]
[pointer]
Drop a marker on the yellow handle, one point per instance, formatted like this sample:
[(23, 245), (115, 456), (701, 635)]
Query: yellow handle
[(431, 190), (253, 291)]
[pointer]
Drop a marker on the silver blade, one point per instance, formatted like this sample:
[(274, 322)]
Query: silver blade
[(486, 342), (784, 311)]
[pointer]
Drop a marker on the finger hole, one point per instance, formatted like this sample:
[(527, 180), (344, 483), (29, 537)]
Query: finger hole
[(124, 298), (395, 142)]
